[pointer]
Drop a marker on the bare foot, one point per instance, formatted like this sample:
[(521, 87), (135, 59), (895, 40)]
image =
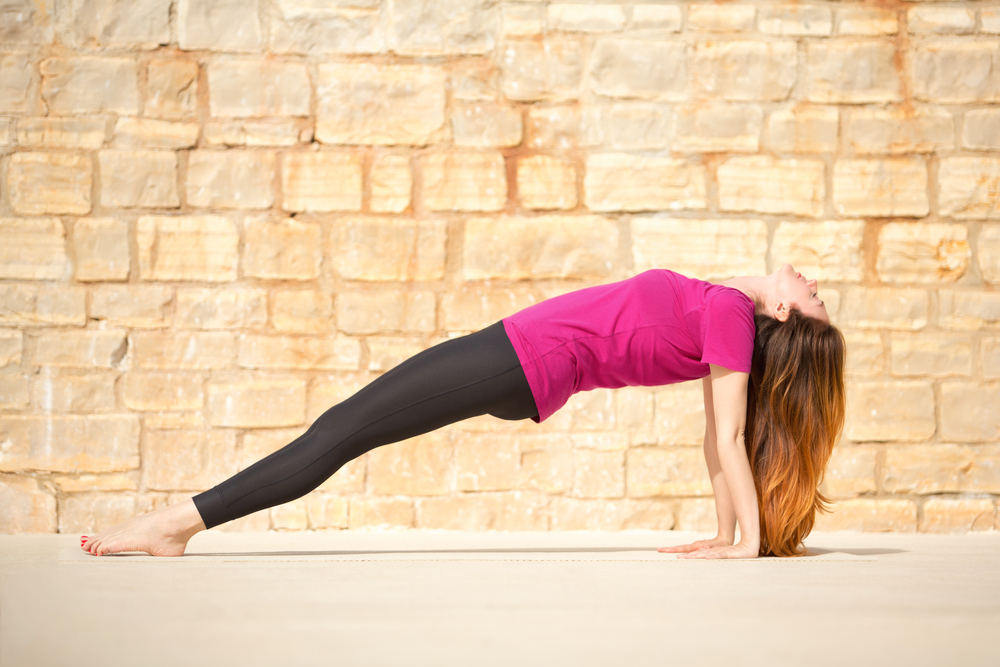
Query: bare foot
[(162, 532)]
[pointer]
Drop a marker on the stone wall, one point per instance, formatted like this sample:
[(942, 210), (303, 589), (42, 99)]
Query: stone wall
[(220, 217)]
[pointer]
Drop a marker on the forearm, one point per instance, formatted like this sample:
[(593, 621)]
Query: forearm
[(724, 510), (743, 494)]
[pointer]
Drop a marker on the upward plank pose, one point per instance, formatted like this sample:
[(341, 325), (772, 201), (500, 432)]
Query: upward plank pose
[(771, 364)]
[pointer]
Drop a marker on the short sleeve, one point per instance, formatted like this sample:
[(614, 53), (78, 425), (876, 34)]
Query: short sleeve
[(729, 331)]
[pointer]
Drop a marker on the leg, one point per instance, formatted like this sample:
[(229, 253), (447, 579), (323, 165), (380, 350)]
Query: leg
[(458, 379)]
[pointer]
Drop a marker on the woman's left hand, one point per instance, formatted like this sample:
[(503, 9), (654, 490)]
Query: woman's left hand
[(739, 550)]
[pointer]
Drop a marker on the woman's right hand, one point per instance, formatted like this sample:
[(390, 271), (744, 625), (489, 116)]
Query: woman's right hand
[(696, 546)]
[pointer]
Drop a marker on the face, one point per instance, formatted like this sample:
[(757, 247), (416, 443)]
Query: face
[(792, 288)]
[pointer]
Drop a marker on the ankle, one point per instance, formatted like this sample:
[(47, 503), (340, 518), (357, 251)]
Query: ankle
[(185, 518)]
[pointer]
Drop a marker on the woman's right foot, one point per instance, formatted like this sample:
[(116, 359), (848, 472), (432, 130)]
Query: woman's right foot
[(162, 532)]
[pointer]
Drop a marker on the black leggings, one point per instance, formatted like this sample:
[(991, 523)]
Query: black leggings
[(460, 378)]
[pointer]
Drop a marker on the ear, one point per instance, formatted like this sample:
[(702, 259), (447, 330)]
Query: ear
[(782, 311)]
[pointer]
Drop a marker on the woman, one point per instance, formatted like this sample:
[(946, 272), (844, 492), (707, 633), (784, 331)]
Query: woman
[(772, 368)]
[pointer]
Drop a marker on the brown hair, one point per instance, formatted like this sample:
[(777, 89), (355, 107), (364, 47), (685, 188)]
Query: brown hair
[(795, 412)]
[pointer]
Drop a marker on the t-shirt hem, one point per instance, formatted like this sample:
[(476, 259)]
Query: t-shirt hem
[(530, 369)]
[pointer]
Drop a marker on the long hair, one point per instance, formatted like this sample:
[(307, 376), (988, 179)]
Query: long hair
[(796, 404)]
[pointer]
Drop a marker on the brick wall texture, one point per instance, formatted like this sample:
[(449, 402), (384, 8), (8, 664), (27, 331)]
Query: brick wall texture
[(219, 218)]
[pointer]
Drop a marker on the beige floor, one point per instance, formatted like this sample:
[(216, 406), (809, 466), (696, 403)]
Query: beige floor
[(440, 598)]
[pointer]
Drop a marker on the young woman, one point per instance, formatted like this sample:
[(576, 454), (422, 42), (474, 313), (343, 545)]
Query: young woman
[(773, 375)]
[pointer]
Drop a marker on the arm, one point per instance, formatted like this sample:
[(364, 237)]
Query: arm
[(724, 509)]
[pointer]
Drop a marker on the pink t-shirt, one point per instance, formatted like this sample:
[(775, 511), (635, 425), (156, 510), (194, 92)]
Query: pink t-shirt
[(656, 328)]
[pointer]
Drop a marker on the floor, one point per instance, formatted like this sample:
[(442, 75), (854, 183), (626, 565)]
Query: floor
[(441, 598)]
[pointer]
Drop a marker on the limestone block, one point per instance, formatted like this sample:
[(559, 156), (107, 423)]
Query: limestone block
[(93, 392), (866, 21), (219, 25), (14, 394), (121, 481), (487, 462), (803, 129), (380, 104), (193, 247), (474, 80), (171, 89), (7, 134), (108, 23), (473, 308), (133, 306), (850, 471), (42, 304), (657, 17), (421, 466), (80, 349), (515, 248), (27, 22), (144, 179), (335, 353), (968, 310), (546, 463), (563, 127), (957, 515), (203, 350), (486, 125), (827, 250), (308, 27), (255, 401), (521, 20), (957, 72), (797, 20), (388, 352), (970, 412), (740, 70), (391, 184), (940, 20), (936, 354), (61, 132), (33, 249), (989, 252), (301, 311), (187, 460), (292, 515), (174, 420), (230, 179), (721, 18), (281, 249), (327, 511), (40, 183), (215, 308), (666, 471), (283, 132), (989, 353), (102, 249), (969, 188), (16, 83), (622, 182), (697, 514), (376, 312), (764, 184), (866, 353), (585, 18), (545, 182), (885, 308), (634, 408), (445, 27), (717, 127), (639, 68), (706, 249), (380, 513), (69, 443), (546, 69), (321, 181), (458, 181), (329, 390), (679, 415), (981, 129), (922, 253), (989, 20), (637, 126), (11, 345), (591, 410), (163, 391), (893, 187), (895, 411), (90, 85), (872, 131), (151, 133), (253, 87), (388, 249), (942, 468), (484, 511), (27, 507), (625, 514), (871, 515), (852, 71), (598, 474)]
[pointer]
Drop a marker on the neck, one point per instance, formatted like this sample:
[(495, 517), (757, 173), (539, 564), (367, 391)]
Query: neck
[(755, 287)]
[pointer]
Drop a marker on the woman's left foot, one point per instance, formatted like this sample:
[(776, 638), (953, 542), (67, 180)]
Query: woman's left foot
[(162, 532)]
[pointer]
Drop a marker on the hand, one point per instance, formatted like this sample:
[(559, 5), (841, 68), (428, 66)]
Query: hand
[(740, 550), (696, 546)]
